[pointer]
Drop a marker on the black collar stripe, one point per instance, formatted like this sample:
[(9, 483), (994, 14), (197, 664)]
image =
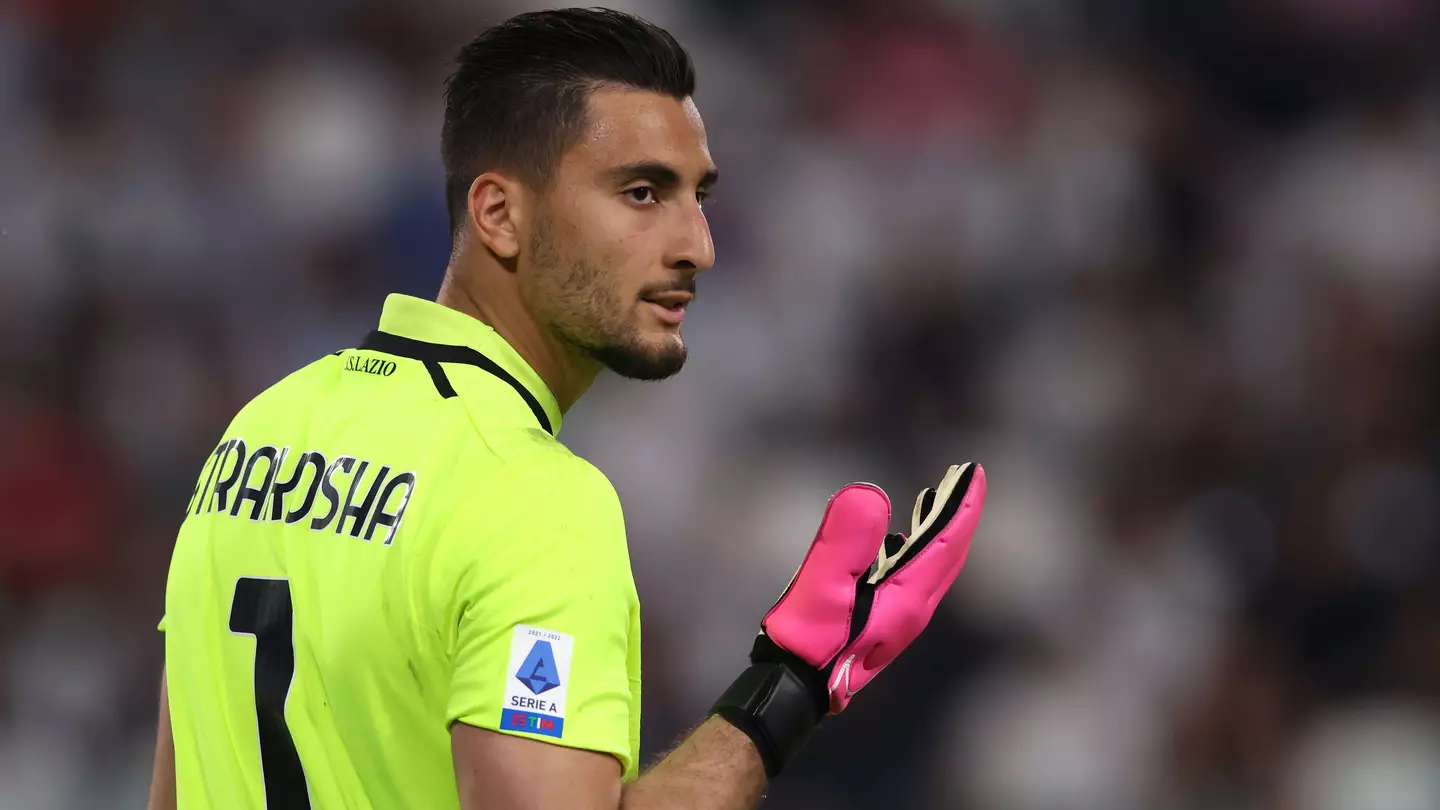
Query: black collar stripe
[(433, 354)]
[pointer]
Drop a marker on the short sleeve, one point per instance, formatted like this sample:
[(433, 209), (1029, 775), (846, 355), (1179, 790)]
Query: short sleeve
[(541, 607)]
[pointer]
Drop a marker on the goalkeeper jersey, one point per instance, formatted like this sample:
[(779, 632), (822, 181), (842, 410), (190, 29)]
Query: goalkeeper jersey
[(386, 542)]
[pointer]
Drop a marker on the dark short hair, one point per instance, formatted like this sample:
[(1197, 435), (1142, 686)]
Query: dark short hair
[(517, 98)]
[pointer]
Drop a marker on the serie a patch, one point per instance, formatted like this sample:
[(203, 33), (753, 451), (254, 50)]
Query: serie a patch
[(537, 681)]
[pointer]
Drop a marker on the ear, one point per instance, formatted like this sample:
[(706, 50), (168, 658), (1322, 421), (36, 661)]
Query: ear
[(496, 205)]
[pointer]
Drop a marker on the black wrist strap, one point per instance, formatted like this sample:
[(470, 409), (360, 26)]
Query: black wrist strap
[(775, 708)]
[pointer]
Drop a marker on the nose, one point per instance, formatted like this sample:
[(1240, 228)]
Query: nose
[(692, 248)]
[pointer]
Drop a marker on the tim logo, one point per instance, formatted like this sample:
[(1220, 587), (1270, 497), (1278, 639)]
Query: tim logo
[(539, 673), (534, 723)]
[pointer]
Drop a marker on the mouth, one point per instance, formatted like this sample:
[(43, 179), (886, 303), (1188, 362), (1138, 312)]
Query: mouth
[(670, 306), (673, 299)]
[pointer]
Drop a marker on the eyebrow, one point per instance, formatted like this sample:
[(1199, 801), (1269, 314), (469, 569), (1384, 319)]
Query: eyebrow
[(661, 174)]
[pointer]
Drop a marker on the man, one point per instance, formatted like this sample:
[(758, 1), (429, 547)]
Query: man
[(395, 589)]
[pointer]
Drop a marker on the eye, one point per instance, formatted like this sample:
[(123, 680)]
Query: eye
[(702, 196), (645, 195)]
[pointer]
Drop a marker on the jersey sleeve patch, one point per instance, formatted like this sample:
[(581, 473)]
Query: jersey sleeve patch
[(537, 681)]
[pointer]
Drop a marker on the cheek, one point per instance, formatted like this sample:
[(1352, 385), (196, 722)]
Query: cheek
[(609, 249), (617, 248)]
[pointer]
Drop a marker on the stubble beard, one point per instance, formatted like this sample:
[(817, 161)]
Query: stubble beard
[(582, 308)]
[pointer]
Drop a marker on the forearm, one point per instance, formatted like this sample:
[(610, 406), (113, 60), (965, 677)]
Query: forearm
[(716, 768), (162, 782)]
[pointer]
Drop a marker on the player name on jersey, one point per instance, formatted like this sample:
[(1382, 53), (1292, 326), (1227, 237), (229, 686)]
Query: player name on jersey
[(258, 483)]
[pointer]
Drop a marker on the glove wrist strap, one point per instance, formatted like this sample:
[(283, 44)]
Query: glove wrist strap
[(775, 708)]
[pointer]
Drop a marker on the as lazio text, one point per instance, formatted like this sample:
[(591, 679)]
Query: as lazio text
[(237, 479)]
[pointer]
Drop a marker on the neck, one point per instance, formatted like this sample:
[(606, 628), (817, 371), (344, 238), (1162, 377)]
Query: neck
[(494, 299)]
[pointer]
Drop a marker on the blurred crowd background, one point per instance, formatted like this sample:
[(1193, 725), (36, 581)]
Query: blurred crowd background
[(1171, 270)]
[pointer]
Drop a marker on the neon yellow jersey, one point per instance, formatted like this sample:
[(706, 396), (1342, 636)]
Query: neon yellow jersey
[(388, 541)]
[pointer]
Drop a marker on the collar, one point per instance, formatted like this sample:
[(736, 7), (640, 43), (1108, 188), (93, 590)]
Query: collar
[(430, 322)]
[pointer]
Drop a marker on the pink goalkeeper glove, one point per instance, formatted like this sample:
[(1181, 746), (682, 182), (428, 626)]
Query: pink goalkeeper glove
[(857, 601)]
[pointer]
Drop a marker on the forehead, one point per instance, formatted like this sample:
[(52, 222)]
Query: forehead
[(633, 126)]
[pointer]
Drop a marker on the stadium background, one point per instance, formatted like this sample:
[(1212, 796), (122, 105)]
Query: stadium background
[(1171, 270)]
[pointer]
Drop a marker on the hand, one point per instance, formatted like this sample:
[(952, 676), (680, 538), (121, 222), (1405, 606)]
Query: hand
[(857, 601), (861, 596)]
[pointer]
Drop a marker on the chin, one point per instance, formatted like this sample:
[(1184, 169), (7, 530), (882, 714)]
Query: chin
[(648, 360)]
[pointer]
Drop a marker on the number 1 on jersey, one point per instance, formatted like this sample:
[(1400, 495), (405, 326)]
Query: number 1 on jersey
[(262, 609)]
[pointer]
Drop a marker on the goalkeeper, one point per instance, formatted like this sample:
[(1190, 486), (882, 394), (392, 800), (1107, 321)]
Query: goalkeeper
[(394, 588)]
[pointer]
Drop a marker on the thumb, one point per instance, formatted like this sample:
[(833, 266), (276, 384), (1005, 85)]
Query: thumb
[(812, 617)]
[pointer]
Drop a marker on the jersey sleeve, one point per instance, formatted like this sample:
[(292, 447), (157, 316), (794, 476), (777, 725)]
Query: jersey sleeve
[(541, 610)]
